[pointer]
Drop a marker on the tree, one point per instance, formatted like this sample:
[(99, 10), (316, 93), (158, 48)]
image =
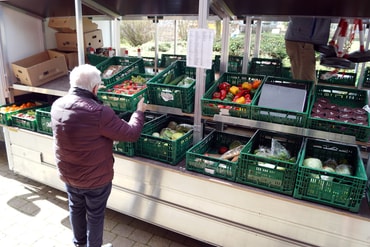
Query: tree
[(136, 33)]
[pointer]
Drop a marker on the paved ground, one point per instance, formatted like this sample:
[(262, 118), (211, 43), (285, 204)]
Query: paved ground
[(36, 215)]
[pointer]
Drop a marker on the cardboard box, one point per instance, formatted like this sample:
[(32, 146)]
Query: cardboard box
[(68, 24), (71, 57), (39, 69), (68, 41)]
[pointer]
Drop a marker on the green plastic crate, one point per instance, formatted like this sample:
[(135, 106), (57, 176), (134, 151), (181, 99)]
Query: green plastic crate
[(270, 173), (366, 78), (282, 116), (95, 59), (156, 148), (129, 65), (353, 98), (211, 106), (6, 117), (330, 188), (182, 97), (168, 59), (26, 121), (340, 78), (235, 64), (150, 61), (122, 102), (266, 66), (43, 119), (197, 159), (128, 148)]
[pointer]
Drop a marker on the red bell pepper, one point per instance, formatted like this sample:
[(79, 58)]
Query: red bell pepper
[(224, 85), (223, 93), (216, 95)]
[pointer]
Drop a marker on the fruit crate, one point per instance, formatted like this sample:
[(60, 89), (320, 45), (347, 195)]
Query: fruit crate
[(128, 148), (168, 59), (164, 150), (276, 172), (266, 66), (211, 106), (331, 188), (182, 97), (339, 78), (235, 64), (122, 101), (366, 78), (26, 118), (201, 158), (6, 114), (124, 66), (95, 59), (43, 120), (349, 101), (283, 116)]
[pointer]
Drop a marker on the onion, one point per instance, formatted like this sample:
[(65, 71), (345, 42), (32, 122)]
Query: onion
[(312, 163)]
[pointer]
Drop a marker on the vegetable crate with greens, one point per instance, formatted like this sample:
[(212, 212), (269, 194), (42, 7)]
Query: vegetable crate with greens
[(175, 86), (26, 118), (336, 78), (128, 148), (331, 173), (124, 94), (166, 139), (340, 110), (270, 161), (115, 68), (43, 120), (231, 95), (216, 155), (283, 101)]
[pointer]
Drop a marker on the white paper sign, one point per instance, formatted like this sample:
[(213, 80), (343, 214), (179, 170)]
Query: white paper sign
[(200, 46)]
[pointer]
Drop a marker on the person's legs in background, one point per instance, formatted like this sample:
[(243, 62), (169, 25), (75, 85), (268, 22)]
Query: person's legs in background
[(302, 60)]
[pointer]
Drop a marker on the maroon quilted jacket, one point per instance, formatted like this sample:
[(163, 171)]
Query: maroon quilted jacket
[(84, 130)]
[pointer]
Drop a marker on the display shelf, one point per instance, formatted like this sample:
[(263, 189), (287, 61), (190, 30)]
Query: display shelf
[(57, 87), (285, 128), (152, 190)]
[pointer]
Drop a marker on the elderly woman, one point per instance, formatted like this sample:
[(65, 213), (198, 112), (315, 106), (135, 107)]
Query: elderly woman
[(84, 130)]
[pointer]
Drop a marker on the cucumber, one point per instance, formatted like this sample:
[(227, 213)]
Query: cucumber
[(168, 78), (177, 80)]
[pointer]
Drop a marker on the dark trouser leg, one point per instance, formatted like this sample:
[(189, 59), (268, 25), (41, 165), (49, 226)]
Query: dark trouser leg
[(96, 202), (77, 215)]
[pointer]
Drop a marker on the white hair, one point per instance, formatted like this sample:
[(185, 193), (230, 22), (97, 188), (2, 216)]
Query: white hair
[(85, 76)]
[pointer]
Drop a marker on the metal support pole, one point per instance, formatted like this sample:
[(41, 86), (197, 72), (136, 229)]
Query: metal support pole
[(247, 44), (79, 31), (200, 77), (156, 45), (258, 39), (224, 59)]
